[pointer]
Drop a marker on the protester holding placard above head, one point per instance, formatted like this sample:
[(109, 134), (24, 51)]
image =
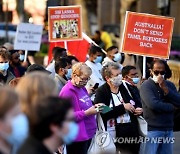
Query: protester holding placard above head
[(94, 62), (58, 52), (113, 55), (51, 125), (61, 68), (121, 120), (15, 65), (5, 75), (159, 100), (84, 110)]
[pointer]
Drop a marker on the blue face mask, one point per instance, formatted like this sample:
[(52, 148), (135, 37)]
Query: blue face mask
[(20, 129), (117, 57), (135, 80), (4, 66), (98, 59), (72, 134), (21, 57), (69, 73)]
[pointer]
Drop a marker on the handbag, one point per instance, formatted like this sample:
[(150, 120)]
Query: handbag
[(142, 124), (102, 141)]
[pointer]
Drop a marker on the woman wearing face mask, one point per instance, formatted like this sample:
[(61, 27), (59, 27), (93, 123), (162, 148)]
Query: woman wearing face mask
[(84, 109), (120, 121), (31, 88), (9, 109)]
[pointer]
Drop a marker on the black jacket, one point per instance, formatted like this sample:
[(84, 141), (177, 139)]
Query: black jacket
[(103, 95), (33, 146)]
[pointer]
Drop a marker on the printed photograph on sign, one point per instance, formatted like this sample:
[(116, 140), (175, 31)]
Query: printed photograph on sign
[(147, 35), (65, 29), (64, 23)]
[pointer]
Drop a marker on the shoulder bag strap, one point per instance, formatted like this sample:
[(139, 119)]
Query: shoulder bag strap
[(114, 106), (124, 83)]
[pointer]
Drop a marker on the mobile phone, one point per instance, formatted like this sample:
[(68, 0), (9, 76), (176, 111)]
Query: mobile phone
[(105, 109), (96, 86)]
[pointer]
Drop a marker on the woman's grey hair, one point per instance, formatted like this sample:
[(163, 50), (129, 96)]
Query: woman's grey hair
[(107, 69)]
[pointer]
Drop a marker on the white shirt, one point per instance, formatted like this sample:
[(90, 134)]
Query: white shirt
[(125, 118), (51, 68), (96, 76)]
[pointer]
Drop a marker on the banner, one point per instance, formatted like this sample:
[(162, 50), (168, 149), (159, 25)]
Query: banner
[(147, 35), (65, 23), (78, 48), (28, 37)]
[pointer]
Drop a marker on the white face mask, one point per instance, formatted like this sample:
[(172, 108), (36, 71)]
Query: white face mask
[(116, 81), (155, 78)]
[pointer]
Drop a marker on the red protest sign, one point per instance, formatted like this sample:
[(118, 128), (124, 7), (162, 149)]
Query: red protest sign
[(147, 35), (64, 23)]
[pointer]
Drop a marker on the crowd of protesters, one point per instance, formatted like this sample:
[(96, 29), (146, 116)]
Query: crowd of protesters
[(53, 110)]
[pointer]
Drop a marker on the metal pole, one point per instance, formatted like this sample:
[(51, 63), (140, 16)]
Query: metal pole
[(144, 66)]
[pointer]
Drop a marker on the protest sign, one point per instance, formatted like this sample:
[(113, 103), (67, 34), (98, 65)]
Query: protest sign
[(147, 35), (28, 37), (65, 23)]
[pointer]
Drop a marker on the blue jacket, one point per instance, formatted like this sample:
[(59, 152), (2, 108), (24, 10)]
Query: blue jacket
[(158, 109)]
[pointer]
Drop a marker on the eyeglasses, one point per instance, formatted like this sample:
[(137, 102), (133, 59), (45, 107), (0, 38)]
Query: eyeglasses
[(159, 72), (87, 79)]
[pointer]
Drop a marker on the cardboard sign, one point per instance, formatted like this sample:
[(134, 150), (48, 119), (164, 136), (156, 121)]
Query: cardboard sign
[(28, 37), (147, 35), (64, 23)]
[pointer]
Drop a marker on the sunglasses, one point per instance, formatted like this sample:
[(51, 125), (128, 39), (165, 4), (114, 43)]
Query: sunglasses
[(159, 72)]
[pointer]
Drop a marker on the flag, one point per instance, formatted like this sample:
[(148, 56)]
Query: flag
[(78, 48)]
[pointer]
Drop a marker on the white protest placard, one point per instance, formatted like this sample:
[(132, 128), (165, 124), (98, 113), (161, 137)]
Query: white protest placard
[(28, 37)]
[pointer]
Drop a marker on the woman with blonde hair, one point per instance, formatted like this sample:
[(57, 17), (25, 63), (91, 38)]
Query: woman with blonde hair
[(30, 89), (34, 87), (84, 110)]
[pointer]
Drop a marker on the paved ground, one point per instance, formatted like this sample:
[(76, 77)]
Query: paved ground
[(177, 143)]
